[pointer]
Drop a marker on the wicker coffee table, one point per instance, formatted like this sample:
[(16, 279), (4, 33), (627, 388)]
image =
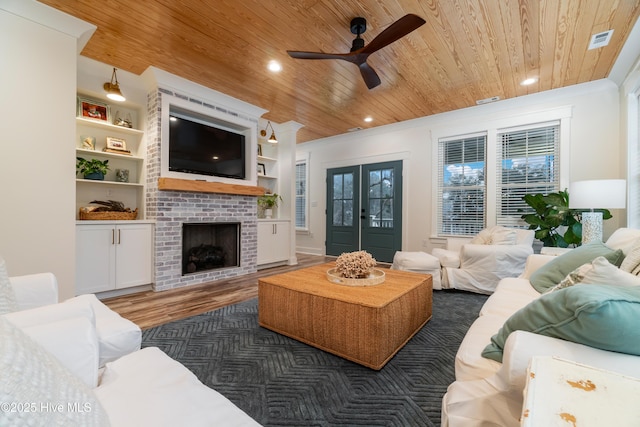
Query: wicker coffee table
[(367, 325)]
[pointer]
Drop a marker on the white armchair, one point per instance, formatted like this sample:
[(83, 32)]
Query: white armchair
[(478, 264)]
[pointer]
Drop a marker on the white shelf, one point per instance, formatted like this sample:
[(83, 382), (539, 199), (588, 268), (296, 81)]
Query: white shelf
[(109, 155), (266, 159), (101, 124), (267, 177), (103, 182)]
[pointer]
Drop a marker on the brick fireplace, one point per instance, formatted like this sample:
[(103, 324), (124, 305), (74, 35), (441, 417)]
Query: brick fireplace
[(172, 209)]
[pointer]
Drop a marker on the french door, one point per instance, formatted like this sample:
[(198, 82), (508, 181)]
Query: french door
[(364, 209)]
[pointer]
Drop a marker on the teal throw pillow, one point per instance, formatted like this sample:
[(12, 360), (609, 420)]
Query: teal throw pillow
[(557, 269), (604, 317)]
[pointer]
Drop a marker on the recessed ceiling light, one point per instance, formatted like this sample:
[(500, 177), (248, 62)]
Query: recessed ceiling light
[(274, 66), (368, 119), (528, 81)]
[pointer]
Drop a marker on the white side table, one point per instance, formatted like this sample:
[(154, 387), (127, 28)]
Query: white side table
[(564, 393)]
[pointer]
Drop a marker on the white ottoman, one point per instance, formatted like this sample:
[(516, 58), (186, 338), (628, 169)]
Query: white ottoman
[(418, 262)]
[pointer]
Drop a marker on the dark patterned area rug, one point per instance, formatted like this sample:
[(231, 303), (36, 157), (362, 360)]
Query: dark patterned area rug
[(281, 382)]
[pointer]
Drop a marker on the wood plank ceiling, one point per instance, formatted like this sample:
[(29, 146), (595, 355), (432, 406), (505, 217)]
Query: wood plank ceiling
[(468, 50)]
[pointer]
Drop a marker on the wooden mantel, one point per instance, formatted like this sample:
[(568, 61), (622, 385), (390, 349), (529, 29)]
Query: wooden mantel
[(175, 184)]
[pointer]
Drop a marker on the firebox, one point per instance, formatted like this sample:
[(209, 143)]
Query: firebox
[(207, 246)]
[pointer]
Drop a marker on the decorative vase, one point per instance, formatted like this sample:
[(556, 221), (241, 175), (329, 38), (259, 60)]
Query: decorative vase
[(268, 213), (97, 176)]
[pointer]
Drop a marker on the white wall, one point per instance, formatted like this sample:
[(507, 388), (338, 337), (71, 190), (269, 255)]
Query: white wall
[(594, 150), (37, 165)]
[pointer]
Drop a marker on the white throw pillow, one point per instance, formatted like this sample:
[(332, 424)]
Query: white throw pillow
[(503, 236), (8, 302), (38, 390), (631, 263), (482, 238), (605, 273)]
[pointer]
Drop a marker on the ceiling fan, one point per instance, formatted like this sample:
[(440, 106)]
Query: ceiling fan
[(359, 52)]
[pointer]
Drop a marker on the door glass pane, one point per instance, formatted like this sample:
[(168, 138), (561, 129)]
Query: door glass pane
[(337, 187), (343, 199), (381, 198), (337, 212), (348, 213), (348, 186)]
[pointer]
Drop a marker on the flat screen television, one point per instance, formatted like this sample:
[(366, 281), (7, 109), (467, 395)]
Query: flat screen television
[(202, 148)]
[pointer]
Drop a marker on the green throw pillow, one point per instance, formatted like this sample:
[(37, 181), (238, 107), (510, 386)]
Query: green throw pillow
[(604, 317), (557, 269)]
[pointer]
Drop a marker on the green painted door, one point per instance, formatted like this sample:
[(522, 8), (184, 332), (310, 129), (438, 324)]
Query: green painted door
[(343, 205), (376, 226), (381, 219)]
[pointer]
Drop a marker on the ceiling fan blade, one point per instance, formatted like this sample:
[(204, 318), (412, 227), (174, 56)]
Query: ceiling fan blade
[(393, 32), (369, 75), (316, 55)]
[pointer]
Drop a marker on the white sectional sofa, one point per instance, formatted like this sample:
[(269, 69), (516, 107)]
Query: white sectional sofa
[(593, 324), (79, 363)]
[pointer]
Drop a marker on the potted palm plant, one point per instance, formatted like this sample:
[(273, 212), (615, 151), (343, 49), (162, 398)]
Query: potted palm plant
[(268, 202), (92, 169)]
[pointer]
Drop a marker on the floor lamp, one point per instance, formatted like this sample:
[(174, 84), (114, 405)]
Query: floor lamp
[(596, 194)]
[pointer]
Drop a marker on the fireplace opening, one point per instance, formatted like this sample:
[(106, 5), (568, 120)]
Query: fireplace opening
[(208, 246)]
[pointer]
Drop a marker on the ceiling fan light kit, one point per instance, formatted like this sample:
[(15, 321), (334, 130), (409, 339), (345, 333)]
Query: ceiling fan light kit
[(360, 52)]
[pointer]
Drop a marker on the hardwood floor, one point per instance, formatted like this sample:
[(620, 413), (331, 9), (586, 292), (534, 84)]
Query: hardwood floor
[(149, 309)]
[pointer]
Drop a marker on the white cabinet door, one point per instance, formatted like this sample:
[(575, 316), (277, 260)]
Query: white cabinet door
[(95, 258), (273, 241), (133, 255), (113, 256)]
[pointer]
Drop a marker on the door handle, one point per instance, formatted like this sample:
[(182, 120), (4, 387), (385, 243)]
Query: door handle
[(118, 236), (113, 236)]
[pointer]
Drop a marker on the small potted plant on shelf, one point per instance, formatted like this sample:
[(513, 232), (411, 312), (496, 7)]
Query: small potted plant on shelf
[(268, 202), (92, 169)]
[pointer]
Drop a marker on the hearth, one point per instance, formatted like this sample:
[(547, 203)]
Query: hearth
[(209, 246)]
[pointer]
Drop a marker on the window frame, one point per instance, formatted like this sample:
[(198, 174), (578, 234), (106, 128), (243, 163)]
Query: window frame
[(303, 160), (492, 126), (633, 159)]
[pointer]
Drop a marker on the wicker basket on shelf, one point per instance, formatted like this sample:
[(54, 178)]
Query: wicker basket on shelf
[(108, 216)]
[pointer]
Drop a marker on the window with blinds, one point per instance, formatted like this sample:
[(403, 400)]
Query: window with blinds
[(528, 162), (633, 214), (301, 195), (461, 185)]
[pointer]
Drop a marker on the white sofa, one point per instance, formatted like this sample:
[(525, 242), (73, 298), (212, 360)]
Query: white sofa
[(52, 371), (489, 393)]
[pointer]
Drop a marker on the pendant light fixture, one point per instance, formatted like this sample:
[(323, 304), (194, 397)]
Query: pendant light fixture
[(272, 139), (113, 88)]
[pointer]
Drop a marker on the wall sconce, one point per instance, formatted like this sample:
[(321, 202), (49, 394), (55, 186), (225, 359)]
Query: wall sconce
[(272, 139), (596, 194), (113, 88)]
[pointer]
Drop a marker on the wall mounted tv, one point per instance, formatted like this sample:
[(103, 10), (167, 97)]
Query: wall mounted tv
[(200, 147)]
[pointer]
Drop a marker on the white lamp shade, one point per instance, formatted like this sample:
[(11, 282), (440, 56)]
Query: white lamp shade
[(598, 194)]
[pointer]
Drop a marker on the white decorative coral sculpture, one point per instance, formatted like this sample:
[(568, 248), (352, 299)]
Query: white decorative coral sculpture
[(355, 265)]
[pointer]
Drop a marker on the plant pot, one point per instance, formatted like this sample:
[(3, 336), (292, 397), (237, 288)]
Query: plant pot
[(96, 176), (268, 213)]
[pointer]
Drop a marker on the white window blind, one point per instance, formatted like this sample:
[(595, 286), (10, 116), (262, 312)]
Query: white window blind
[(461, 185), (528, 162), (301, 195)]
